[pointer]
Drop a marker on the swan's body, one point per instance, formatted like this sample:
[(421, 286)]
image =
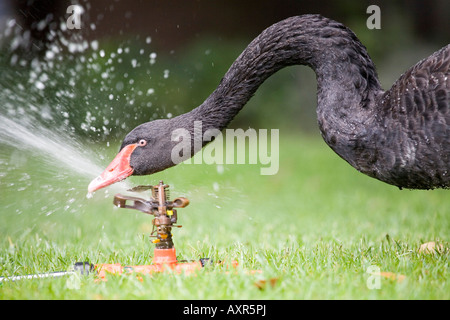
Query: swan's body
[(400, 136)]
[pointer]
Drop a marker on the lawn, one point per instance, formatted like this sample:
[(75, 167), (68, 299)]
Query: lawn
[(316, 230)]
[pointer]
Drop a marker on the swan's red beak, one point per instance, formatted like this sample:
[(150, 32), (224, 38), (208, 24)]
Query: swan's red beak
[(117, 170)]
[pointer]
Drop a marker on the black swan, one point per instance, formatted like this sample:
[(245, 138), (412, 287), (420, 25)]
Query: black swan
[(400, 136)]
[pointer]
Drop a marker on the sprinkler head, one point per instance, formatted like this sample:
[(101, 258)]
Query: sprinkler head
[(160, 207)]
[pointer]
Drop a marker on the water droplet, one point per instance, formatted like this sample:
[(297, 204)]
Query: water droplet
[(220, 169), (94, 45), (166, 74), (49, 55), (39, 85)]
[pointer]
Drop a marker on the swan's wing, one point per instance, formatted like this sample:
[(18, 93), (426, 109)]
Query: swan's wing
[(422, 93), (417, 112)]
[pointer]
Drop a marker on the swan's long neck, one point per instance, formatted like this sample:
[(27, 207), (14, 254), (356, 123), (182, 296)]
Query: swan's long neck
[(346, 76)]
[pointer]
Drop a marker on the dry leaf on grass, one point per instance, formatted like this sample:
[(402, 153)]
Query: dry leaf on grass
[(431, 247), (261, 284), (391, 276)]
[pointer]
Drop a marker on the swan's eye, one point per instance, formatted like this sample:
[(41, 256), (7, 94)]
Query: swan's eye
[(142, 143)]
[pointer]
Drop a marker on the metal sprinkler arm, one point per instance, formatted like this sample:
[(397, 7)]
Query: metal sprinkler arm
[(138, 203), (159, 201)]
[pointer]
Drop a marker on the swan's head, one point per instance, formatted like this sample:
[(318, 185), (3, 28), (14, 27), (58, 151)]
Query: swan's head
[(145, 150)]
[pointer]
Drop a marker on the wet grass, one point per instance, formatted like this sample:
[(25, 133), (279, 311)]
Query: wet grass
[(316, 229)]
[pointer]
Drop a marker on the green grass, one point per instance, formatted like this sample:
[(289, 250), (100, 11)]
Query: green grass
[(316, 226)]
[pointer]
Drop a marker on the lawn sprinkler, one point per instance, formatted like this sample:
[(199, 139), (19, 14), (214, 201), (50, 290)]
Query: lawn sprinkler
[(165, 219), (164, 258)]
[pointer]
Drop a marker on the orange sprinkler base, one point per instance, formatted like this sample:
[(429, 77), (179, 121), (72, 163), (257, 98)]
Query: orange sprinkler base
[(163, 260)]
